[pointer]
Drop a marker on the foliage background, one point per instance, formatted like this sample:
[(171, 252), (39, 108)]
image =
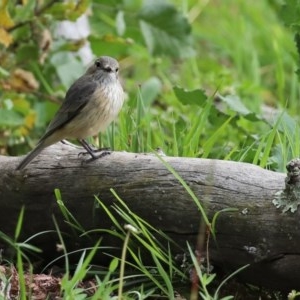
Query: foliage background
[(203, 78)]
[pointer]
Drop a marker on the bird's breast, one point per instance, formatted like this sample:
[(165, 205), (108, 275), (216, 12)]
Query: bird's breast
[(101, 109)]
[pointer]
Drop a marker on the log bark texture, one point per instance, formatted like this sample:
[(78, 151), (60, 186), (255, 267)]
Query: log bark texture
[(256, 233)]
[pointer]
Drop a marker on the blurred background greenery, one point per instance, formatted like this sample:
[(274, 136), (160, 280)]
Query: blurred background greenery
[(204, 78)]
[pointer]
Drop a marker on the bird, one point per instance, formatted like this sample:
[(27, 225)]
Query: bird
[(91, 103)]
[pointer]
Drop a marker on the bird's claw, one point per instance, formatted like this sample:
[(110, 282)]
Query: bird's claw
[(95, 156), (104, 151)]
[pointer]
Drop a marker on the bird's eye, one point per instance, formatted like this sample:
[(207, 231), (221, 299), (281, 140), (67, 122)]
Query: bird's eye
[(97, 63), (117, 70)]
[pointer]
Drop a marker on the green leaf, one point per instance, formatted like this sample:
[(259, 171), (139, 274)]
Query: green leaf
[(150, 90), (218, 117), (44, 112), (103, 45), (10, 118), (68, 68), (3, 72), (25, 11), (28, 52), (288, 125), (165, 30), (68, 10), (195, 97), (113, 265), (290, 14), (236, 105), (59, 10)]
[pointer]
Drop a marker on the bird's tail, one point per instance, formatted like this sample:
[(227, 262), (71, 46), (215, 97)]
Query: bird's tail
[(31, 155)]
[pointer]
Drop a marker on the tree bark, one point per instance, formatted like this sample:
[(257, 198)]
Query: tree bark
[(253, 231)]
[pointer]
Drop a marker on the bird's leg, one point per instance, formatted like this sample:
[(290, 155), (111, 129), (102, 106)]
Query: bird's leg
[(85, 144), (91, 151)]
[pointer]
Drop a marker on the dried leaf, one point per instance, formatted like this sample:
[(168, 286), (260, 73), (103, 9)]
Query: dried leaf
[(5, 19), (24, 81), (5, 23), (30, 120), (20, 81), (45, 42), (5, 37)]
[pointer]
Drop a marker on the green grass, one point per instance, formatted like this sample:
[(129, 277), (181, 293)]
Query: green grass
[(127, 276), (253, 57)]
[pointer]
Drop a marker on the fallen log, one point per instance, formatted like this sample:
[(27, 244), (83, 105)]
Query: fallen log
[(253, 231)]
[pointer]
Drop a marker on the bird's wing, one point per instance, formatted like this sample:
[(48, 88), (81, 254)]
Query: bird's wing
[(76, 98)]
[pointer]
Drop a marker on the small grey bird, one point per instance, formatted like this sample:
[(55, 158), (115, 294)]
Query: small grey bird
[(92, 102)]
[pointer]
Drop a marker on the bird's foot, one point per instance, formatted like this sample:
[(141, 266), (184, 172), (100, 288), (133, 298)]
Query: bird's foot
[(95, 154), (107, 149), (100, 153)]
